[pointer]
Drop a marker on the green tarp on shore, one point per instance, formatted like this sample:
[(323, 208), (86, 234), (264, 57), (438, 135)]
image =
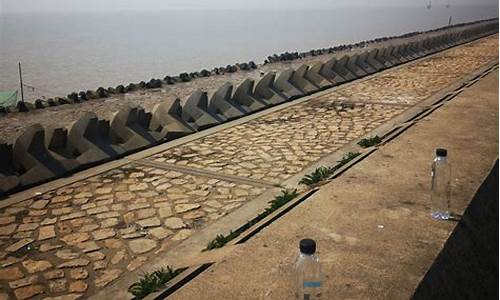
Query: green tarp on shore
[(8, 98)]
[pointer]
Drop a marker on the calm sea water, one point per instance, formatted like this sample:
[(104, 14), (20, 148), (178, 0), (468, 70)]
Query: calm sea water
[(65, 52)]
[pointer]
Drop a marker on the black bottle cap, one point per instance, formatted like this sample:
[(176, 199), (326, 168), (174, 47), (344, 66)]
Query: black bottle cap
[(307, 246), (441, 152)]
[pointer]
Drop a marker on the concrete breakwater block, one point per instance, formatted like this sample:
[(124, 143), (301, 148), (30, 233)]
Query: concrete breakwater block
[(328, 72), (195, 112), (285, 85), (372, 60), (264, 89), (73, 97), (300, 81), (222, 105), (32, 159), (56, 140), (407, 52), (392, 53), (340, 68), (8, 176), (40, 104), (314, 75), (102, 92), (89, 141), (353, 67), (400, 53), (62, 101), (129, 128), (417, 49), (450, 40), (362, 62), (382, 58), (244, 96), (445, 41), (456, 38), (92, 94), (440, 42), (428, 46), (434, 45), (167, 119), (392, 56)]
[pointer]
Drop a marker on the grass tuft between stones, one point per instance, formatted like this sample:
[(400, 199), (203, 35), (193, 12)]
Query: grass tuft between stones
[(220, 240), (322, 173), (152, 282), (372, 141)]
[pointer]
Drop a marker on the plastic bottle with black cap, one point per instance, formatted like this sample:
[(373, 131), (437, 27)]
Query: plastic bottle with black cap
[(441, 186), (308, 273)]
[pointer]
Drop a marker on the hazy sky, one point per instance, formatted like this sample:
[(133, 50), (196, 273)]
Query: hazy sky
[(10, 6)]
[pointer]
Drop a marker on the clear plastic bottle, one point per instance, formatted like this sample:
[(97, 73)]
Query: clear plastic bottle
[(441, 186), (309, 277)]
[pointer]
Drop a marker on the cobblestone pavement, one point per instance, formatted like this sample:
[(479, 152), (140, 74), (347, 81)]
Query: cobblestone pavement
[(277, 146), (79, 238), (90, 232)]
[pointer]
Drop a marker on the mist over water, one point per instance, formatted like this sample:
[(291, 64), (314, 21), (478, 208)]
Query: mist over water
[(62, 53)]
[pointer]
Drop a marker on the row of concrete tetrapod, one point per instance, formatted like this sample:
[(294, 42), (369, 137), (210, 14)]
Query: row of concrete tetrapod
[(288, 56), (42, 154)]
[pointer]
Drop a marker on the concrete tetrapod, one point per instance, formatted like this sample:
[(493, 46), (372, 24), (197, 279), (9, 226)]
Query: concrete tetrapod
[(284, 84), (372, 60), (396, 56), (427, 44), (392, 56), (439, 42), (314, 75), (417, 49), (8, 176), (328, 72), (300, 81), (340, 68), (403, 52), (354, 68), (264, 89), (129, 128), (89, 141), (363, 63), (32, 159), (243, 95), (167, 119), (409, 48), (433, 45), (195, 112), (222, 105), (56, 140), (383, 59)]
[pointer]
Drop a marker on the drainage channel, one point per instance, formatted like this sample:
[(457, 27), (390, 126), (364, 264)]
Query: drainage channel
[(247, 233)]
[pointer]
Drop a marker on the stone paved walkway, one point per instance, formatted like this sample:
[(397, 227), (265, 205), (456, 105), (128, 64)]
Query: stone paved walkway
[(77, 239)]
